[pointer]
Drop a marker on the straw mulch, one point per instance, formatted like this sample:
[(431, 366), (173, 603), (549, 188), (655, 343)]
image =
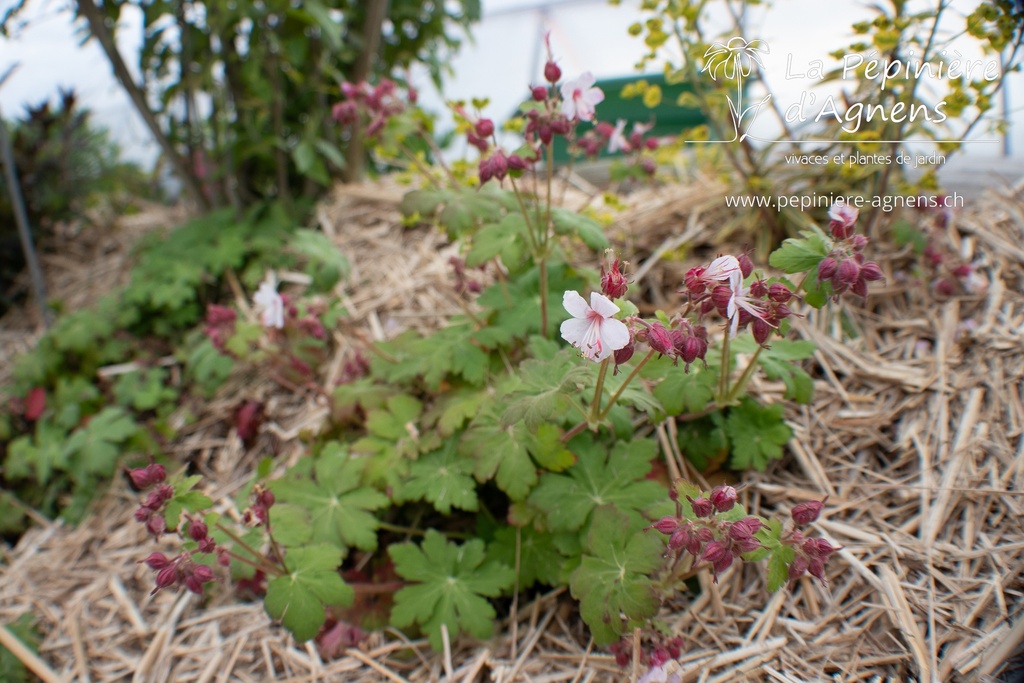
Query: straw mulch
[(915, 435)]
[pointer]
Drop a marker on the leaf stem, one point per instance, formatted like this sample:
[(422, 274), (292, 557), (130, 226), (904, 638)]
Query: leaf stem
[(629, 378)]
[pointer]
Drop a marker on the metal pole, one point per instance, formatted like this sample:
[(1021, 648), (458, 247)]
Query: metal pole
[(21, 218)]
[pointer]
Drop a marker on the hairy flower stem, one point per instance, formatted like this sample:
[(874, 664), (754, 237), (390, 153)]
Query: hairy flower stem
[(629, 378), (741, 383), (261, 562), (423, 168), (723, 377), (595, 415), (539, 248)]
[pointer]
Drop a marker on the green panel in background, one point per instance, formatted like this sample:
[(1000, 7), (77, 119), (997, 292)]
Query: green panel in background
[(669, 118)]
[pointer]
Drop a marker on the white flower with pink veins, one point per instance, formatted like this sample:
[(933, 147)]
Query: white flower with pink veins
[(593, 329)]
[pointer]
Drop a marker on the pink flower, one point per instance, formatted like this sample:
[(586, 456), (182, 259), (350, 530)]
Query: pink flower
[(592, 329), (579, 97), (272, 305), (617, 141)]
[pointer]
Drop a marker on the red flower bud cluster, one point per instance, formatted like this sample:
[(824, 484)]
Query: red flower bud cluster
[(845, 268), (660, 650), (463, 283), (258, 514), (811, 556), (150, 512), (181, 570), (682, 340), (721, 542), (498, 165), (706, 537), (220, 325), (370, 106)]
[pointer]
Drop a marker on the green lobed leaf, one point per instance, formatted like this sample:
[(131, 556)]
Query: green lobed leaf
[(685, 392), (338, 506), (443, 478), (599, 477), (613, 581), (801, 255), (777, 361), (451, 583), (299, 598), (500, 453), (757, 434), (778, 567)]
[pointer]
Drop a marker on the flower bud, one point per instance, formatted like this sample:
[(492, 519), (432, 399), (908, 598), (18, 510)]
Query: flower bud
[(202, 572), (625, 353), (761, 331), (818, 547), (648, 166), (848, 272), (858, 242), (613, 283), (140, 478), (693, 348), (539, 93), (143, 514), (157, 473), (797, 567), (722, 564), (197, 531), (207, 545), (516, 162), (721, 295), (157, 561), (551, 72), (560, 125), (715, 551), (871, 272), (666, 525), (651, 144), (807, 513), (723, 498), (266, 498), (827, 268), (779, 293), (156, 525), (679, 539), (485, 128), (745, 528), (702, 507), (746, 265), (166, 577), (659, 339)]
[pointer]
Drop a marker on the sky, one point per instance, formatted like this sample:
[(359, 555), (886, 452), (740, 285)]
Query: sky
[(503, 57)]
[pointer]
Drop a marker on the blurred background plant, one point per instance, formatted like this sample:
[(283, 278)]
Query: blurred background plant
[(66, 166), (238, 94)]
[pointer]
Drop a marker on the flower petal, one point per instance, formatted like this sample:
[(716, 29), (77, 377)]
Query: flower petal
[(575, 304), (602, 305), (614, 335)]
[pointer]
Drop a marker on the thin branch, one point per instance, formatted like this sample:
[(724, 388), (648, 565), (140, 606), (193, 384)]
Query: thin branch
[(98, 28)]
